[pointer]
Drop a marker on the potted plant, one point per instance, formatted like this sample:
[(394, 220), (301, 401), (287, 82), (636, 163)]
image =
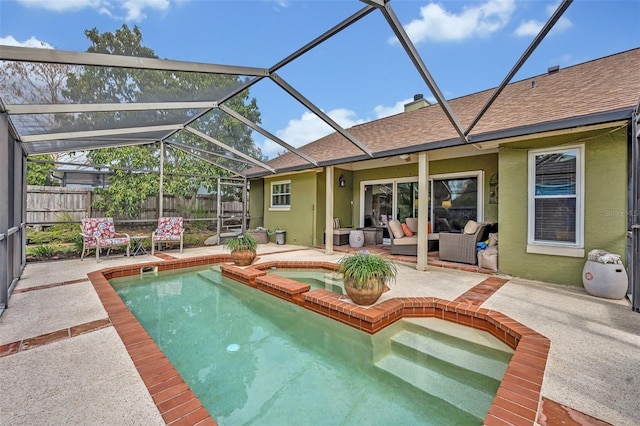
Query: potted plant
[(366, 276), (242, 248)]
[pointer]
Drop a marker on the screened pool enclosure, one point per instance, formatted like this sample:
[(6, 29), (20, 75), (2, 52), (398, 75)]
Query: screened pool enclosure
[(199, 109)]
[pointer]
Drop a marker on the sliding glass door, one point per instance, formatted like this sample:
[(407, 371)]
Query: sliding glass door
[(456, 200), (377, 203), (390, 199)]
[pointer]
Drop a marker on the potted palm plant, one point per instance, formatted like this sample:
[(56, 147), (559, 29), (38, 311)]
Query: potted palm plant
[(242, 248), (366, 276)]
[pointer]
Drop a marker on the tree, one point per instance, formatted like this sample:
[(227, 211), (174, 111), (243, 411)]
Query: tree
[(105, 84), (36, 83), (40, 173)]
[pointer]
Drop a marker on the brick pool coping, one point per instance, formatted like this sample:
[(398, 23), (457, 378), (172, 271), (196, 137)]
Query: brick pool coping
[(518, 399)]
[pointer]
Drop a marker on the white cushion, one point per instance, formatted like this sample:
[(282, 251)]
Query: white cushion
[(412, 223), (471, 227), (343, 231), (406, 241), (396, 228)]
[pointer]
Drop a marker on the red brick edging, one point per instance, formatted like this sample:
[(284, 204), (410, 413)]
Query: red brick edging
[(517, 401)]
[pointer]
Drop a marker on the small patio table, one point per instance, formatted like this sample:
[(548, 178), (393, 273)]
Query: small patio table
[(138, 244)]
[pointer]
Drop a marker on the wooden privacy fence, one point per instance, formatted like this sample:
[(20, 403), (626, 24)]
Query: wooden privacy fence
[(54, 204)]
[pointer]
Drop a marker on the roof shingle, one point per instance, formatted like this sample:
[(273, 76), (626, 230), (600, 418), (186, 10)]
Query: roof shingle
[(603, 85)]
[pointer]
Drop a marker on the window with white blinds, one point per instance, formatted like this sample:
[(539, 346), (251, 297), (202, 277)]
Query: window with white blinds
[(555, 197)]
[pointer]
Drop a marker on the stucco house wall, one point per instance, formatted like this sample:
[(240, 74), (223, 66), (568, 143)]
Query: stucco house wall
[(299, 221), (605, 202), (256, 203)]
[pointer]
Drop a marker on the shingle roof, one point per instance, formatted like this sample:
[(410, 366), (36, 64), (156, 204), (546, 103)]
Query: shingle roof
[(600, 86)]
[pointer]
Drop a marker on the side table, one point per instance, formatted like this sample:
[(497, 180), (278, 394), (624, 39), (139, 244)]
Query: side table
[(372, 236), (138, 244)]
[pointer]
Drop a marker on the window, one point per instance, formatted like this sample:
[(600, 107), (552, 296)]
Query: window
[(281, 195), (555, 197)]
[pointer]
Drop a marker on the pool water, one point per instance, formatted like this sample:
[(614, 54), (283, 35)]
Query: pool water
[(252, 358), (316, 278)]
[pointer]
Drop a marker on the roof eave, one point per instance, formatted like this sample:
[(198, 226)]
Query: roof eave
[(495, 137)]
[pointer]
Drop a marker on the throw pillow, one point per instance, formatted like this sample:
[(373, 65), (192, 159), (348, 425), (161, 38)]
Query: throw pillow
[(406, 230), (412, 224), (396, 229), (493, 239), (471, 227), (429, 227), (336, 223)]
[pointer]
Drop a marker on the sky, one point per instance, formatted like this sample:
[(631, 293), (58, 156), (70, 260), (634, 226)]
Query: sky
[(360, 75)]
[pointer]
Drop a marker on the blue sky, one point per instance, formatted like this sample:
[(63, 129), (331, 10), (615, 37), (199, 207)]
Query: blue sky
[(360, 75)]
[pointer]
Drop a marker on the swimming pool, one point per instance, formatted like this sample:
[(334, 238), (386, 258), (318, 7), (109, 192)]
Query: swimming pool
[(254, 359)]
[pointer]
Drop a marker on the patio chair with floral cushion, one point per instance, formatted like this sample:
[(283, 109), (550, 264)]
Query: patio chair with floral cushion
[(100, 232), (170, 230)]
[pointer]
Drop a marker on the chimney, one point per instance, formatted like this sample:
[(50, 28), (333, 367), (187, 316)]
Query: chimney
[(554, 69), (418, 102)]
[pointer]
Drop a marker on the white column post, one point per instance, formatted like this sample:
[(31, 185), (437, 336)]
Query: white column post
[(328, 214), (423, 208)]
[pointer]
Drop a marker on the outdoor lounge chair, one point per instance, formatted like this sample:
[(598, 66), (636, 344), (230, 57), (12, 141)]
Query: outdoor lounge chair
[(340, 234), (462, 248), (100, 232), (170, 230)]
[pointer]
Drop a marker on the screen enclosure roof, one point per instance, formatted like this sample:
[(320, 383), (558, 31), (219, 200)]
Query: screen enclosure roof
[(186, 105)]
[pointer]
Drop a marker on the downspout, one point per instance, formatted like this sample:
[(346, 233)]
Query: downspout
[(634, 213)]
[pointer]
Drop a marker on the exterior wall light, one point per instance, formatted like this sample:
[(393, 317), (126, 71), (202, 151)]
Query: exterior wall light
[(341, 181)]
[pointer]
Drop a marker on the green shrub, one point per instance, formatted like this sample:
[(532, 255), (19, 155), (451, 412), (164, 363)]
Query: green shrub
[(42, 251)]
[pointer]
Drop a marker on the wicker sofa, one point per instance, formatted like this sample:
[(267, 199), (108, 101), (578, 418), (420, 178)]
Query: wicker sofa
[(401, 244), (462, 248)]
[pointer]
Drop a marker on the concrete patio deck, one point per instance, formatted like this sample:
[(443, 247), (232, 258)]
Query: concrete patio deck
[(62, 363)]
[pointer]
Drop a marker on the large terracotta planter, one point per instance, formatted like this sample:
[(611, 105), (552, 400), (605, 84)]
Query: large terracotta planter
[(243, 257), (364, 296)]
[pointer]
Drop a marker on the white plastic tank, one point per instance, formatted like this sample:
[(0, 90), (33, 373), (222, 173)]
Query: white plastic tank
[(604, 275)]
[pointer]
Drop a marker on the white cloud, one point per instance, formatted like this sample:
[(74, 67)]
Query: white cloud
[(31, 42), (62, 5), (383, 111), (438, 24), (134, 10), (309, 128), (532, 27)]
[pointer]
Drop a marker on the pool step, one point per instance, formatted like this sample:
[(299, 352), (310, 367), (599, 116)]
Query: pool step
[(461, 346), (462, 367), (212, 275), (464, 397)]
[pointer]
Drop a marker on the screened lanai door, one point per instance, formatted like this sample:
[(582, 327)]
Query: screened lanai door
[(232, 208)]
